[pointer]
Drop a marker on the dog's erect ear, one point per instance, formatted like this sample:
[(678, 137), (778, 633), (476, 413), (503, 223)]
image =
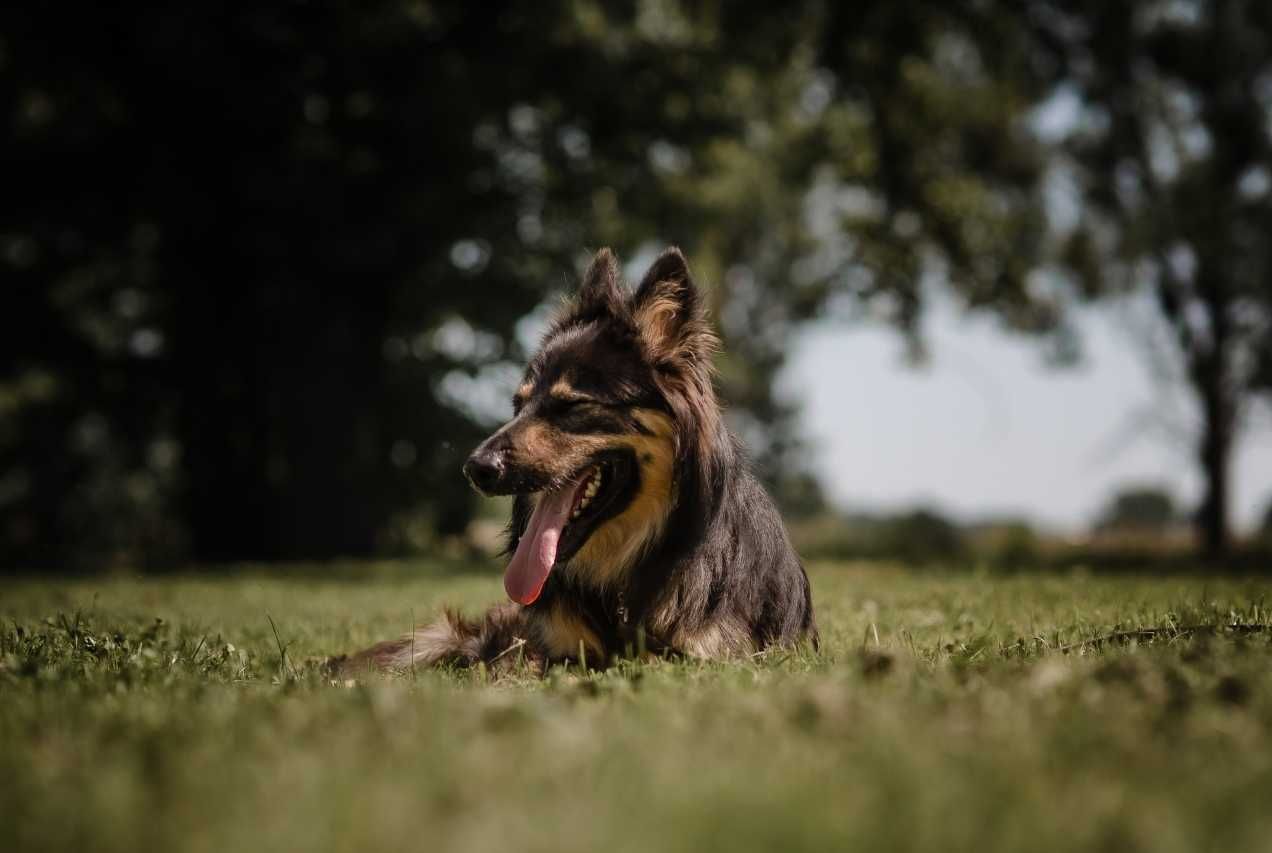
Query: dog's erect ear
[(671, 324), (602, 288), (668, 311)]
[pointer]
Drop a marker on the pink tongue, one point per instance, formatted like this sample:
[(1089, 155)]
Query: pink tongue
[(536, 552)]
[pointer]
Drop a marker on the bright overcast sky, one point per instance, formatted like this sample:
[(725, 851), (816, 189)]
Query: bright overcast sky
[(987, 427)]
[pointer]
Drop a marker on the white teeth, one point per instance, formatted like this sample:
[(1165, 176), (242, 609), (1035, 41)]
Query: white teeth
[(589, 492)]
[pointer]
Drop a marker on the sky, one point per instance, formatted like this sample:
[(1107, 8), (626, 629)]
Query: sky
[(987, 427)]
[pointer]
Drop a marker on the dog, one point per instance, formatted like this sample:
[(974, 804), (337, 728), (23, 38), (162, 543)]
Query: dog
[(637, 526)]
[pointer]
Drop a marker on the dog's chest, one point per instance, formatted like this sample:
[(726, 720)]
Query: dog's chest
[(597, 621), (566, 633)]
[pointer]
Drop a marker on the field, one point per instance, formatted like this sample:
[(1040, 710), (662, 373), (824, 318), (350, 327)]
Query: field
[(945, 711)]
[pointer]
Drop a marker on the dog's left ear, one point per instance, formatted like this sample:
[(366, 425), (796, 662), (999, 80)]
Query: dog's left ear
[(669, 314)]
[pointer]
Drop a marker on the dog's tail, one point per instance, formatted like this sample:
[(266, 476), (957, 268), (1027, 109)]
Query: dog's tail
[(499, 638)]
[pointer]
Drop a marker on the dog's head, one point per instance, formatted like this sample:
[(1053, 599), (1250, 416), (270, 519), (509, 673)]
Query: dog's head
[(612, 408)]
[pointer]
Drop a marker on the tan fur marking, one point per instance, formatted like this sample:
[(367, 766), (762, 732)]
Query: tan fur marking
[(656, 320), (616, 545), (561, 631), (723, 638), (539, 444), (563, 390)]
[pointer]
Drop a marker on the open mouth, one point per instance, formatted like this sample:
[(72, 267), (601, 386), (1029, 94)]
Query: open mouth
[(564, 519)]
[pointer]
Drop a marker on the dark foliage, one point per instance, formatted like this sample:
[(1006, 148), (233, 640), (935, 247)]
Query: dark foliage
[(265, 267), (1143, 508), (253, 257)]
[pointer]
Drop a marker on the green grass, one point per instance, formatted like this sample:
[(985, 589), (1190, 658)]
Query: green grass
[(940, 714)]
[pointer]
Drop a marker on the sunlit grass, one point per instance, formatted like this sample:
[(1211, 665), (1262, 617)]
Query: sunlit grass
[(943, 711)]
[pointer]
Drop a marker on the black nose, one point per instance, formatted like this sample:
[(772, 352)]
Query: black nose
[(484, 469)]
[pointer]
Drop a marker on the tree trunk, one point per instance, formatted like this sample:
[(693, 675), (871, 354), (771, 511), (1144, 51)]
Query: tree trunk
[(1210, 378), (1215, 453)]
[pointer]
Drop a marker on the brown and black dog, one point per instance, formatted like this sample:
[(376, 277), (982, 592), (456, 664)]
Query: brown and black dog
[(637, 526)]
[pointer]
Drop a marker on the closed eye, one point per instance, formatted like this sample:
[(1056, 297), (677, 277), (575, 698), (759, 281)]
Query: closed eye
[(571, 401)]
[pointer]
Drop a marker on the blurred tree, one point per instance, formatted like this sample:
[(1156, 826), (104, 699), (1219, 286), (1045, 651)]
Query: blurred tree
[(888, 151), (921, 536), (1142, 508), (1166, 160), (933, 172), (269, 267), (264, 265), (1065, 150)]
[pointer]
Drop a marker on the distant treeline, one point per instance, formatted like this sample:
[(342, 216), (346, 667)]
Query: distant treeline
[(1132, 533)]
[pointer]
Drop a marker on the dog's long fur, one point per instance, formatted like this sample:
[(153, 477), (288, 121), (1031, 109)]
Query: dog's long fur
[(697, 561)]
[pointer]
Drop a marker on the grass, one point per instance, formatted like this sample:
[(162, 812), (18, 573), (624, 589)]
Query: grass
[(944, 712)]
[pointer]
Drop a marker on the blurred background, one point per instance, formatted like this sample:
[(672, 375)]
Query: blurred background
[(994, 278)]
